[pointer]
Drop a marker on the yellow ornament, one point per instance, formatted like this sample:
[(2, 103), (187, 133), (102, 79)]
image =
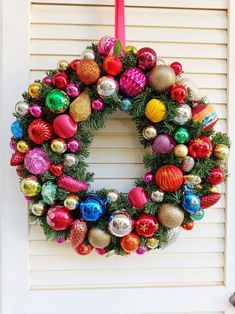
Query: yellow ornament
[(22, 147), (180, 151), (58, 145), (152, 243), (34, 90), (214, 189), (80, 108), (155, 110), (221, 151), (130, 48), (30, 187), (149, 132), (192, 179), (71, 202), (62, 65)]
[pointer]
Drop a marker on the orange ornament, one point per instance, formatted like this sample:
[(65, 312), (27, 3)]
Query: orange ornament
[(88, 71), (130, 243), (169, 178)]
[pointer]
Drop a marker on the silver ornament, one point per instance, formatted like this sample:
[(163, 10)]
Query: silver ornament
[(184, 114), (160, 62), (70, 160), (106, 86), (194, 93), (112, 195), (187, 164), (37, 208), (157, 196), (172, 235), (120, 224), (21, 108), (88, 54)]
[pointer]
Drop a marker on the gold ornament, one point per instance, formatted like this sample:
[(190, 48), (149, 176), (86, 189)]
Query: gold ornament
[(30, 187), (149, 132), (38, 208), (170, 215), (161, 78), (80, 108), (214, 189), (113, 195), (180, 151), (194, 92), (98, 238), (88, 71), (62, 65), (155, 110), (58, 145), (197, 187), (152, 243), (130, 48), (34, 90), (221, 151), (22, 147), (192, 179), (71, 202)]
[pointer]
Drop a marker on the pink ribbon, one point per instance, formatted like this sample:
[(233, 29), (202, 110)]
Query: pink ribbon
[(120, 21)]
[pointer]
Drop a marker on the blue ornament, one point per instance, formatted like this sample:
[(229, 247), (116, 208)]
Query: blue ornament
[(191, 201), (16, 130), (92, 207), (125, 104)]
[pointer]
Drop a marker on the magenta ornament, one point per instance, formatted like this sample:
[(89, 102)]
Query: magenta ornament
[(47, 80), (141, 250), (147, 58), (71, 184), (132, 82), (148, 177), (97, 104), (35, 111), (61, 240), (163, 144), (36, 161), (72, 90), (100, 251), (105, 45), (12, 144), (73, 145), (59, 218)]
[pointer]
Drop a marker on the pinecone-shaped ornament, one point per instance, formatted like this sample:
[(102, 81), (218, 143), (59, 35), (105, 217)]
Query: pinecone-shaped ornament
[(17, 159), (78, 232), (210, 200), (71, 184)]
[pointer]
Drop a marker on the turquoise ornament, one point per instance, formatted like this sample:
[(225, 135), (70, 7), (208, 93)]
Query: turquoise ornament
[(181, 135), (16, 130), (125, 105), (57, 101), (92, 207), (191, 201), (49, 192), (198, 215)]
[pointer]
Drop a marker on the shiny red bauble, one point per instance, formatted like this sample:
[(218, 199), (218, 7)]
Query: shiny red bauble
[(169, 178), (216, 176), (74, 64), (130, 243), (146, 58), (112, 65), (188, 226), (84, 249), (176, 67), (56, 170), (64, 126), (60, 80), (146, 225), (178, 92), (40, 131), (138, 197), (200, 147), (59, 218)]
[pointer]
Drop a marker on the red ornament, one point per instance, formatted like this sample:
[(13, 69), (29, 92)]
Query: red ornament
[(169, 178), (146, 225), (40, 131), (147, 58), (71, 184), (19, 171), (112, 65), (84, 249), (130, 243), (200, 147), (188, 226), (60, 80), (75, 63), (78, 233), (178, 92), (216, 176), (59, 218), (56, 170), (17, 159), (205, 114), (210, 200), (65, 126), (176, 67), (138, 197)]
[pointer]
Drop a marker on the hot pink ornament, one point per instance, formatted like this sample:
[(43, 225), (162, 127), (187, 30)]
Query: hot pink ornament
[(74, 145), (163, 144), (13, 145), (36, 161), (61, 240), (59, 218), (132, 82), (147, 58), (105, 45), (141, 250), (100, 251), (97, 104), (64, 126), (138, 197), (47, 80), (72, 90), (148, 177), (71, 184), (35, 111)]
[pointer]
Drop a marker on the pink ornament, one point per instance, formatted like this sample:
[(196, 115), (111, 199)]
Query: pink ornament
[(36, 161), (74, 145), (100, 251), (12, 144), (71, 184), (138, 197), (176, 67), (97, 104), (148, 177), (61, 240), (163, 144), (141, 250), (105, 45), (72, 90), (47, 80), (27, 198), (147, 58), (64, 126), (35, 111), (132, 82), (59, 218)]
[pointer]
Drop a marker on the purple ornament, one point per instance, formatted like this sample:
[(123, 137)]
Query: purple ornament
[(105, 45), (141, 250), (148, 177), (35, 111), (163, 144), (132, 82), (13, 144), (97, 104), (72, 90), (147, 58), (47, 80), (36, 161), (100, 251), (74, 145)]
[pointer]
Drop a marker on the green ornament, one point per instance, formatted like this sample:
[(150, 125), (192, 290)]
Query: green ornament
[(49, 192), (198, 215), (181, 135), (57, 101)]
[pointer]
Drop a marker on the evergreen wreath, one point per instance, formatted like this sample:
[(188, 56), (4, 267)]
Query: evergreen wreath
[(185, 157)]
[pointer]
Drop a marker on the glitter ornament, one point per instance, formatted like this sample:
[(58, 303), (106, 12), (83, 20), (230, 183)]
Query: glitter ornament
[(155, 110), (78, 232), (112, 195), (34, 90), (49, 192), (152, 243), (193, 91), (21, 108), (178, 92), (126, 104), (157, 196), (132, 82), (57, 101), (71, 184), (22, 147), (56, 170), (176, 67), (161, 78), (58, 145), (59, 218), (180, 151), (84, 249), (146, 58), (97, 104), (80, 107), (106, 45), (138, 197), (71, 202), (198, 215), (120, 224), (60, 80), (187, 164), (210, 199), (40, 131), (98, 238), (205, 114), (74, 145), (35, 111), (74, 64), (181, 135), (47, 80), (149, 132), (183, 114), (112, 65), (70, 160), (16, 130), (200, 147), (130, 243), (169, 178), (216, 176), (170, 215), (172, 235), (88, 71), (17, 159), (221, 151), (88, 54), (62, 65), (36, 161), (146, 225), (38, 208), (163, 144), (107, 86), (148, 177), (72, 90), (64, 126), (92, 207), (30, 186), (190, 201)]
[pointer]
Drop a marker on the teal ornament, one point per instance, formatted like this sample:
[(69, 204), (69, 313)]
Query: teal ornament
[(181, 135), (48, 192), (16, 130), (57, 101), (125, 104), (198, 215), (191, 201), (92, 207)]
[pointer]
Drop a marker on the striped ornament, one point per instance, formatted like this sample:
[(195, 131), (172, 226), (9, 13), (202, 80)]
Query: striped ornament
[(169, 178)]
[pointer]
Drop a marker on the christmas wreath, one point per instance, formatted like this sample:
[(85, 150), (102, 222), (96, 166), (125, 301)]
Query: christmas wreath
[(185, 157)]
